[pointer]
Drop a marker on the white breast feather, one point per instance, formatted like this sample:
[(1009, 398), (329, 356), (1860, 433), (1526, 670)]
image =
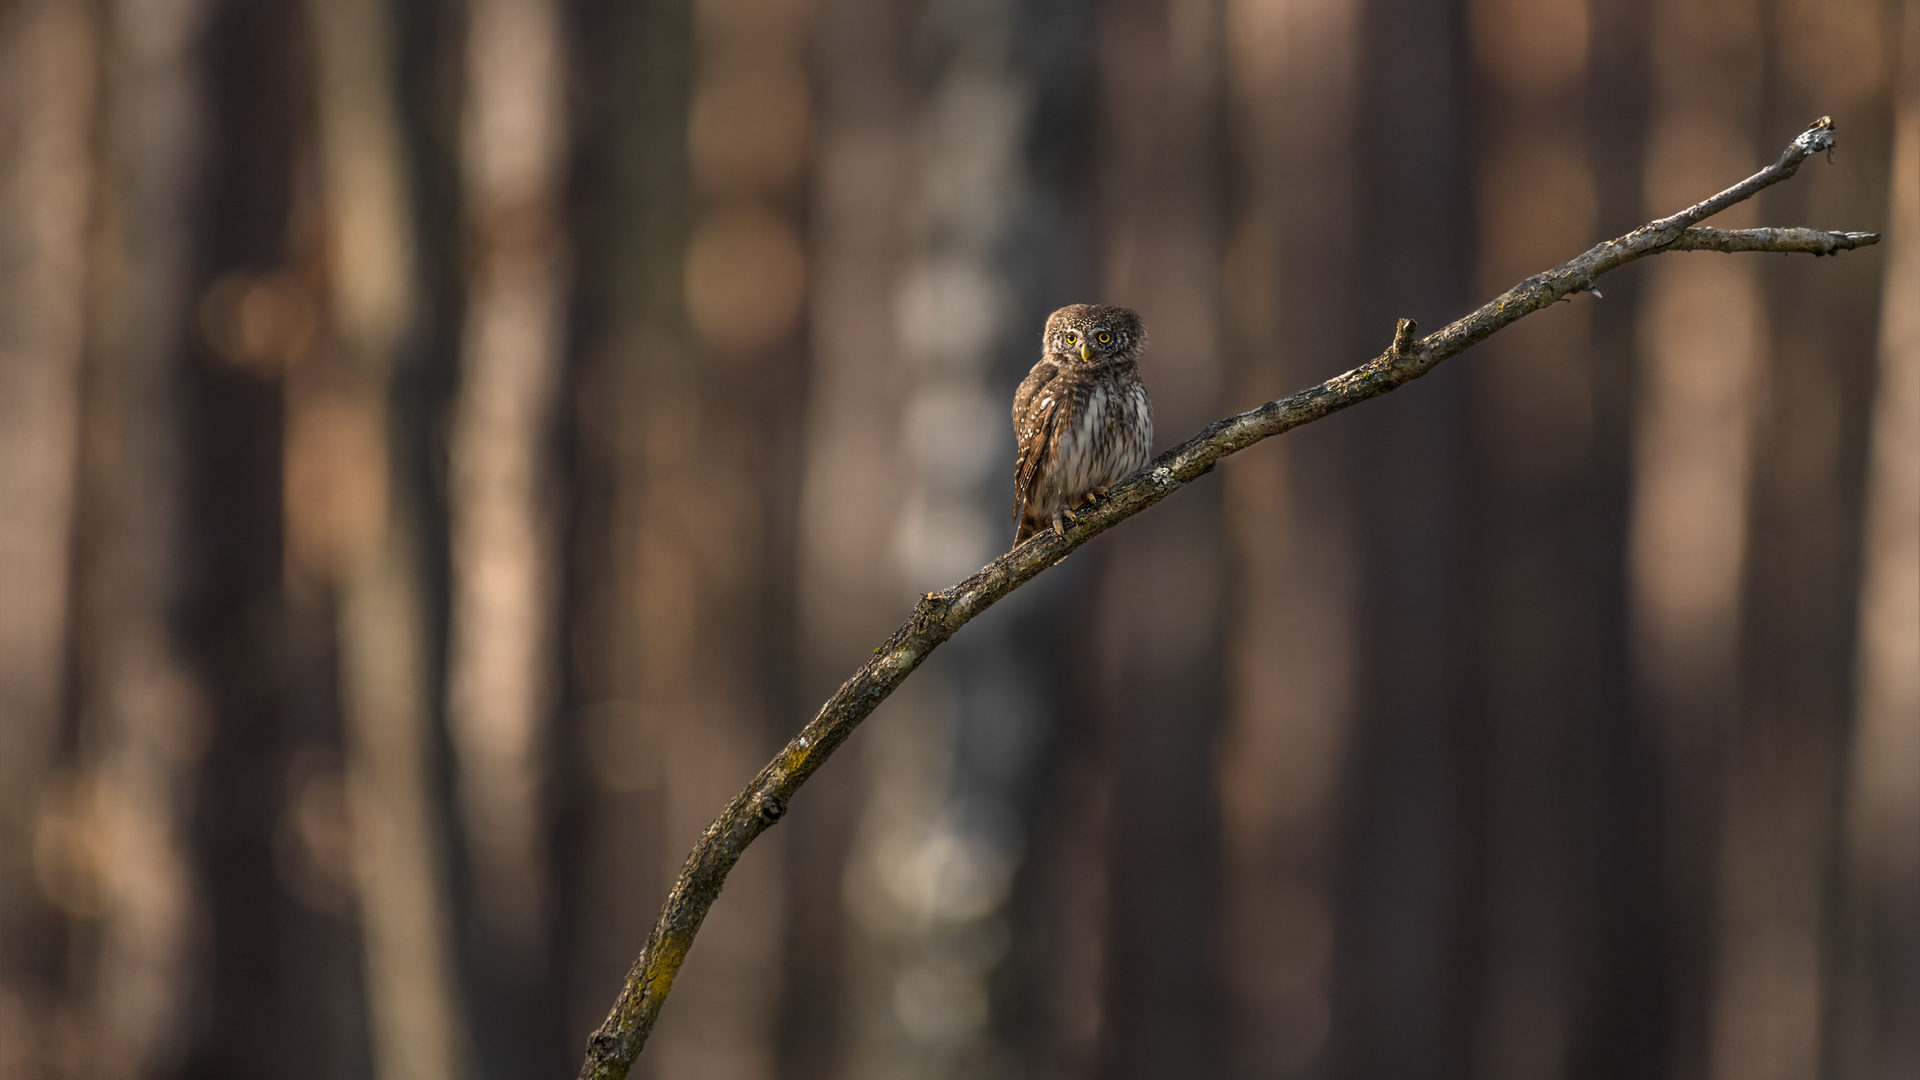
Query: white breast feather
[(1082, 463)]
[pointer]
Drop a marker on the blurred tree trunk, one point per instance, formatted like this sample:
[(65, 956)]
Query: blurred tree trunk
[(1545, 687), (1872, 1011), (1294, 79), (850, 488), (628, 226), (1702, 342), (944, 823), (1152, 665), (277, 976), (721, 475), (349, 424), (1624, 1018), (49, 86), (139, 724), (1400, 983), (695, 273), (1775, 1007), (503, 496)]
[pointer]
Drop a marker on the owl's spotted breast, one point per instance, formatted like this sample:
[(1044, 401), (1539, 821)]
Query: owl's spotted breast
[(1081, 417)]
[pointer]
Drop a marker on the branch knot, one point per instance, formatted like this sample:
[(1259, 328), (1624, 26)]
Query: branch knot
[(1403, 338)]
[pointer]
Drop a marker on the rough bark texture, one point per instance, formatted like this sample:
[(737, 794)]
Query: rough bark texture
[(938, 616)]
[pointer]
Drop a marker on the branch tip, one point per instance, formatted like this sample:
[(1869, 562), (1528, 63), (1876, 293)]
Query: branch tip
[(1785, 241), (1818, 137)]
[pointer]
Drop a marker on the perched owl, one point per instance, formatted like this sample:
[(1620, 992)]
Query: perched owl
[(1081, 416)]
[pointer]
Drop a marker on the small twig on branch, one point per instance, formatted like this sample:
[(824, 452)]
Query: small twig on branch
[(938, 616), (1403, 337)]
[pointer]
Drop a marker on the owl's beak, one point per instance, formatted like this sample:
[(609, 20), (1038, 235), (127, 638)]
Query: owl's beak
[(1086, 351)]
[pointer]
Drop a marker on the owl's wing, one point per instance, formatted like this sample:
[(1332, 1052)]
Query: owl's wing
[(1033, 409)]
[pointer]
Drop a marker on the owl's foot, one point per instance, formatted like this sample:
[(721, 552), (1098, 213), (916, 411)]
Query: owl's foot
[(1070, 515)]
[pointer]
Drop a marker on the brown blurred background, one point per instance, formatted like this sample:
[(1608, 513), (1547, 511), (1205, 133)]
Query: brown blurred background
[(446, 446)]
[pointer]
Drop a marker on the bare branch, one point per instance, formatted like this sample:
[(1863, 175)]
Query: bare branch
[(938, 616), (1794, 241)]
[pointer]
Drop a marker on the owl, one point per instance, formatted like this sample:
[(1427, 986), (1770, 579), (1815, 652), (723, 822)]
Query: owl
[(1081, 417)]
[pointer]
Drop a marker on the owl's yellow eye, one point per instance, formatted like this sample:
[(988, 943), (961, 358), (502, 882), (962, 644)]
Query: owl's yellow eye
[(1104, 338), (1072, 337)]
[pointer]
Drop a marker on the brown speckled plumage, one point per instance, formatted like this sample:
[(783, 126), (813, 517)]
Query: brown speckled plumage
[(1081, 416)]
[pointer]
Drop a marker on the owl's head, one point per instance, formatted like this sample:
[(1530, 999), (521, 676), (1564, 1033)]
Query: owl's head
[(1093, 334)]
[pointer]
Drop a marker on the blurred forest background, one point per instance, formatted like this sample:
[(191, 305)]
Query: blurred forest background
[(447, 445)]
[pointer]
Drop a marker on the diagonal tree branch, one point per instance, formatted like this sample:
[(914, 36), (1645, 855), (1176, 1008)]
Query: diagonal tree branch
[(612, 1049)]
